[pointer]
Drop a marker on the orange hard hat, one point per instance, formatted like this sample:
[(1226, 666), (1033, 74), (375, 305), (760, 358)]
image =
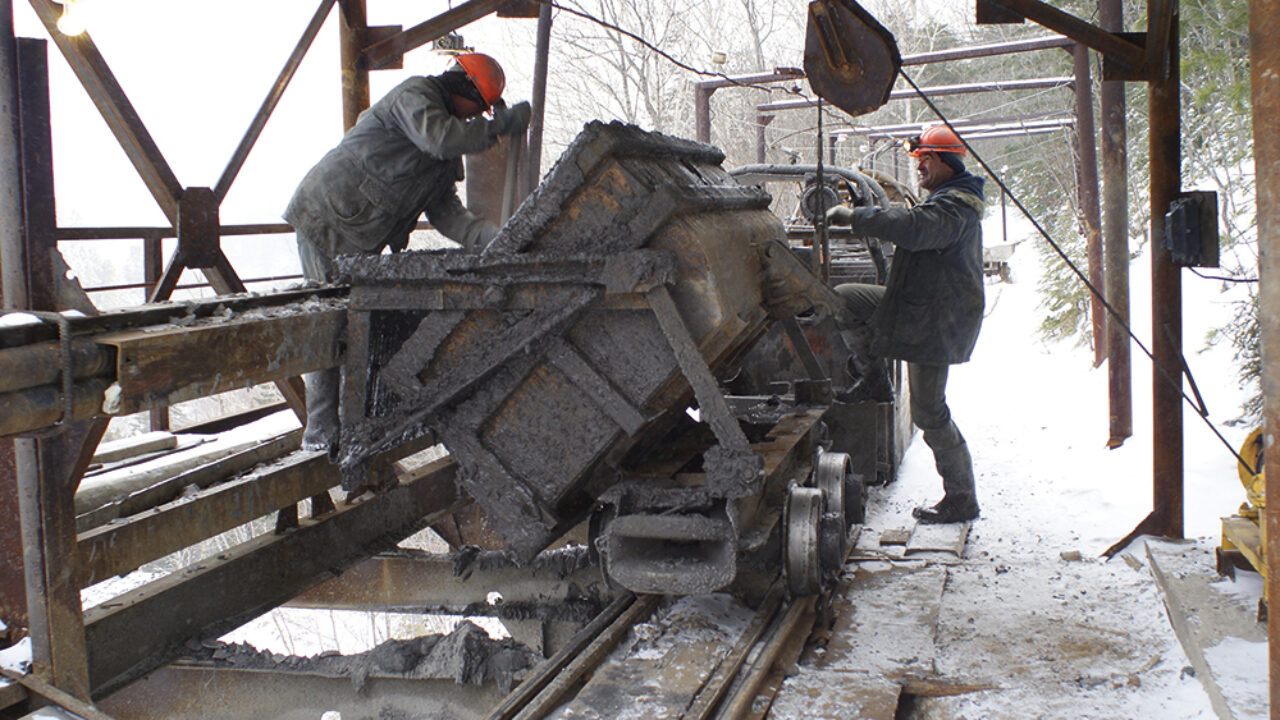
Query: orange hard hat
[(935, 139), (485, 73)]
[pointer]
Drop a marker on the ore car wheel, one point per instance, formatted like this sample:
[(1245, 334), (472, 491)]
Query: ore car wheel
[(830, 477), (833, 532), (836, 467), (803, 517)]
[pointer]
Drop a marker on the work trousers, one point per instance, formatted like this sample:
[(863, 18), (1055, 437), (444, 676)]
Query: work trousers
[(928, 384), (323, 386)]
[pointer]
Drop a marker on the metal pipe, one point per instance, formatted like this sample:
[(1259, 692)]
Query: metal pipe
[(1264, 72), (1115, 237), (1087, 192), (1165, 152), (541, 63), (781, 74), (978, 51), (352, 30), (762, 124), (937, 91), (1014, 120), (38, 407), (30, 366), (702, 112), (965, 129)]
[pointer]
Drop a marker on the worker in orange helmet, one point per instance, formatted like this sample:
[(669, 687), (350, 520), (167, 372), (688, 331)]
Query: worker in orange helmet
[(930, 309), (401, 159)]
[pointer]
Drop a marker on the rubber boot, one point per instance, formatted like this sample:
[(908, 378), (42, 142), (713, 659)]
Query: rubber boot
[(322, 411), (959, 502), (870, 373)]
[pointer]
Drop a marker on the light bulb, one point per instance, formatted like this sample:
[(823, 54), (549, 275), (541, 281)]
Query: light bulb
[(72, 20)]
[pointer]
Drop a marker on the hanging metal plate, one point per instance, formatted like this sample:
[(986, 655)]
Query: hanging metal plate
[(850, 58)]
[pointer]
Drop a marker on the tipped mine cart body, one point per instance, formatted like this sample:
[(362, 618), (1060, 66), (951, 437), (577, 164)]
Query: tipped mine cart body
[(564, 367)]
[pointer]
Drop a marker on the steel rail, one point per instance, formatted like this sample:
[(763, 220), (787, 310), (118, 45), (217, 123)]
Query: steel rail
[(540, 692)]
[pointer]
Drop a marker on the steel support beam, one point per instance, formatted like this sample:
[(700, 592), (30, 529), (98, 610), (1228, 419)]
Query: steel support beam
[(96, 77), (1165, 150), (1115, 237), (409, 581), (272, 99), (1264, 75), (139, 631), (353, 29), (385, 52), (48, 469), (13, 585), (1087, 195), (1076, 29)]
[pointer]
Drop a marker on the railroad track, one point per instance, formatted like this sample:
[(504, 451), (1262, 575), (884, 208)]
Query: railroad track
[(740, 681)]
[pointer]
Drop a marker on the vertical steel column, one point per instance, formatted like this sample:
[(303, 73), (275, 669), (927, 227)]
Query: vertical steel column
[(762, 124), (48, 469), (353, 29), (540, 68), (1165, 149), (152, 271), (702, 112), (1087, 192), (1264, 71), (13, 584), (1115, 237)]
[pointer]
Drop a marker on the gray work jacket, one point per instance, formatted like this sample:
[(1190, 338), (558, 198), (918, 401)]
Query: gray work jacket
[(934, 299), (401, 159)]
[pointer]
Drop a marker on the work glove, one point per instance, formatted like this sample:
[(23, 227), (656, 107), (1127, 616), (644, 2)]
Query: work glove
[(510, 120), (840, 215)]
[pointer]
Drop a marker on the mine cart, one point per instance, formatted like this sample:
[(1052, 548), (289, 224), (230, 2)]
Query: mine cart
[(573, 370)]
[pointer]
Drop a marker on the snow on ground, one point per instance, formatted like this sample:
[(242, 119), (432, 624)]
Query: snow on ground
[(1063, 637)]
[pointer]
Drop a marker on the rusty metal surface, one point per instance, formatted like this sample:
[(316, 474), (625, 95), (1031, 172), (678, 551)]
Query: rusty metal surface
[(1264, 74), (1087, 192), (381, 54), (186, 692), (1115, 236), (96, 77), (617, 209), (167, 366), (41, 364), (1076, 29), (352, 31), (122, 546), (273, 97), (559, 584), (137, 632), (851, 60), (13, 583), (1165, 153)]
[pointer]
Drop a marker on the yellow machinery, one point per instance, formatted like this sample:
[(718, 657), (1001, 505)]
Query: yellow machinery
[(1244, 538)]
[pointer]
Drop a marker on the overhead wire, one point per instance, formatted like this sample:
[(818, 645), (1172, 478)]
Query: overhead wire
[(1093, 290)]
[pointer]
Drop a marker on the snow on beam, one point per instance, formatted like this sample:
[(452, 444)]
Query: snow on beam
[(140, 630)]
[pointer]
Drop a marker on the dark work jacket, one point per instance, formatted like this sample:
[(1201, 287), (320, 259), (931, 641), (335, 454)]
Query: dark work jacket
[(402, 158), (933, 299)]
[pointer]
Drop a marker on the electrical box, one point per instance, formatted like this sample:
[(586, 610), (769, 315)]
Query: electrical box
[(1191, 229)]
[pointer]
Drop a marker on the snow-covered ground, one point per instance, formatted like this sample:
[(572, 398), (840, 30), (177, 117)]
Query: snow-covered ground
[(1063, 637)]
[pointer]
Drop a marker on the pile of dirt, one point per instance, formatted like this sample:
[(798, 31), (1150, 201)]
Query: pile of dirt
[(466, 655)]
